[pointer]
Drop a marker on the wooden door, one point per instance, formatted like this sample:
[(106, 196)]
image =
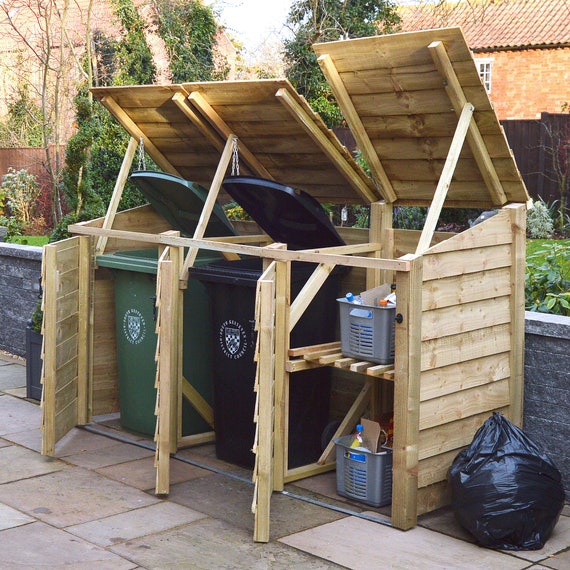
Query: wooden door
[(67, 282)]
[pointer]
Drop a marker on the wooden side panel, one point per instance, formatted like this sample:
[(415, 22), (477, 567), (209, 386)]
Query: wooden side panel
[(467, 324), (65, 376), (104, 375)]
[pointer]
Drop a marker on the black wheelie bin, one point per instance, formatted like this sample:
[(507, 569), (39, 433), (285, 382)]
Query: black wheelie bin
[(297, 219)]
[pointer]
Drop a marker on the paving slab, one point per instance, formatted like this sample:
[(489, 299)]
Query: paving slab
[(72, 496), (443, 520), (20, 463), (141, 474), (10, 518), (17, 415), (229, 499), (135, 524), (208, 544), (13, 376), (39, 545), (361, 545), (104, 457), (76, 441)]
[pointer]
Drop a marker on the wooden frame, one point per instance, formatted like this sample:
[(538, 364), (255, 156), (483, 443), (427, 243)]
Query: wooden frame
[(460, 334)]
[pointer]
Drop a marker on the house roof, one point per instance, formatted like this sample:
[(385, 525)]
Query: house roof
[(489, 24), (402, 95)]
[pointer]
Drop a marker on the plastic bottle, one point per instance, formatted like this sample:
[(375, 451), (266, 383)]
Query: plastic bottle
[(391, 298), (355, 299), (359, 441)]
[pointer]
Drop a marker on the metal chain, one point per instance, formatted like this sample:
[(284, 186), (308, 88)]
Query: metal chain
[(235, 158), (142, 157)]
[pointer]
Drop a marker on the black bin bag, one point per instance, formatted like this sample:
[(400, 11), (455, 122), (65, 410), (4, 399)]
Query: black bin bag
[(505, 490)]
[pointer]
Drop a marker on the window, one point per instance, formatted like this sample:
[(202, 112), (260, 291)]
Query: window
[(484, 67)]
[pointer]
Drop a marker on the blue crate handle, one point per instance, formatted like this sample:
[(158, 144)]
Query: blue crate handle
[(362, 313)]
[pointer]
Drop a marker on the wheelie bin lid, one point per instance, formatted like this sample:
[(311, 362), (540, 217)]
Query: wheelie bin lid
[(180, 202), (286, 214)]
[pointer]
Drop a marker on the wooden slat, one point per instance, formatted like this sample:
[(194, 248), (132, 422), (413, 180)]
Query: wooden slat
[(117, 193), (332, 152), (445, 179), (465, 346), (133, 129), (453, 435), (438, 382), (198, 402), (474, 138), (465, 403), (198, 101), (458, 262), (465, 288), (465, 317)]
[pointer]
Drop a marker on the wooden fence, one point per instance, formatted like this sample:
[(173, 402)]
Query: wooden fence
[(534, 143)]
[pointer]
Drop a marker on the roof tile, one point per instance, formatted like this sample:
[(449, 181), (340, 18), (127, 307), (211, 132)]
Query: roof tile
[(496, 23)]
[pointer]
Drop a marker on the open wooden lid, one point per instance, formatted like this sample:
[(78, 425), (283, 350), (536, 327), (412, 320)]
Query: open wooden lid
[(184, 129), (402, 95)]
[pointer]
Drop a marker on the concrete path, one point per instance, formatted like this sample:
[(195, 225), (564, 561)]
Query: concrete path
[(93, 506)]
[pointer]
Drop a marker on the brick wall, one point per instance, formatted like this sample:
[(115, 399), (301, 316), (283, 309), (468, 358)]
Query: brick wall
[(528, 82), (547, 387), (20, 270)]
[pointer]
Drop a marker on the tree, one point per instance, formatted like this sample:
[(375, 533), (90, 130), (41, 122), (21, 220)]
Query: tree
[(42, 70), (189, 32), (316, 21)]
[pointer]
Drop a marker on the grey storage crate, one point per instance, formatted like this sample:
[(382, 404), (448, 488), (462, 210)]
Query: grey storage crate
[(367, 332), (363, 475)]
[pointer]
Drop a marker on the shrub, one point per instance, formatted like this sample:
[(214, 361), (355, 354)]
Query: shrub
[(21, 191), (547, 281), (539, 223)]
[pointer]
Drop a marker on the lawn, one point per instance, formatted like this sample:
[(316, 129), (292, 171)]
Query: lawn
[(535, 245), (30, 240)]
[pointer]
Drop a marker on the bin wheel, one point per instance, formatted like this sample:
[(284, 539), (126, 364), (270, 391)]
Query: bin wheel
[(328, 433)]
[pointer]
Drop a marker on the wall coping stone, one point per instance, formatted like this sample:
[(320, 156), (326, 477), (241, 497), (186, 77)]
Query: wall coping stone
[(22, 251), (544, 324)]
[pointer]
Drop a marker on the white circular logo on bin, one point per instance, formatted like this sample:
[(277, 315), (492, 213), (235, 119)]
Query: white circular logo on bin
[(233, 340), (134, 326)]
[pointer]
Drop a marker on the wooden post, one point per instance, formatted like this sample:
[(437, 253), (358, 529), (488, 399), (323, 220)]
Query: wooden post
[(381, 214), (265, 393), (407, 396), (85, 329), (167, 327), (282, 342), (518, 224)]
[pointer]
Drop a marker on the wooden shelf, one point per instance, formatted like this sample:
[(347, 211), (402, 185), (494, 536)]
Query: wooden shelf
[(330, 354)]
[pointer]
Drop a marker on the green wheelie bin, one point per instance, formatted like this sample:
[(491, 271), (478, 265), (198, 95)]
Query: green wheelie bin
[(134, 272)]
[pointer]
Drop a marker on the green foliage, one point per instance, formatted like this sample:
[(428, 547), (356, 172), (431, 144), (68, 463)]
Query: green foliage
[(21, 191), (539, 224), (189, 33), (135, 65), (37, 317), (409, 217), (234, 211), (23, 124), (14, 226), (325, 21), (547, 281)]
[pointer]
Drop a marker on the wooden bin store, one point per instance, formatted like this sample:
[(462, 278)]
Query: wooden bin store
[(424, 124)]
